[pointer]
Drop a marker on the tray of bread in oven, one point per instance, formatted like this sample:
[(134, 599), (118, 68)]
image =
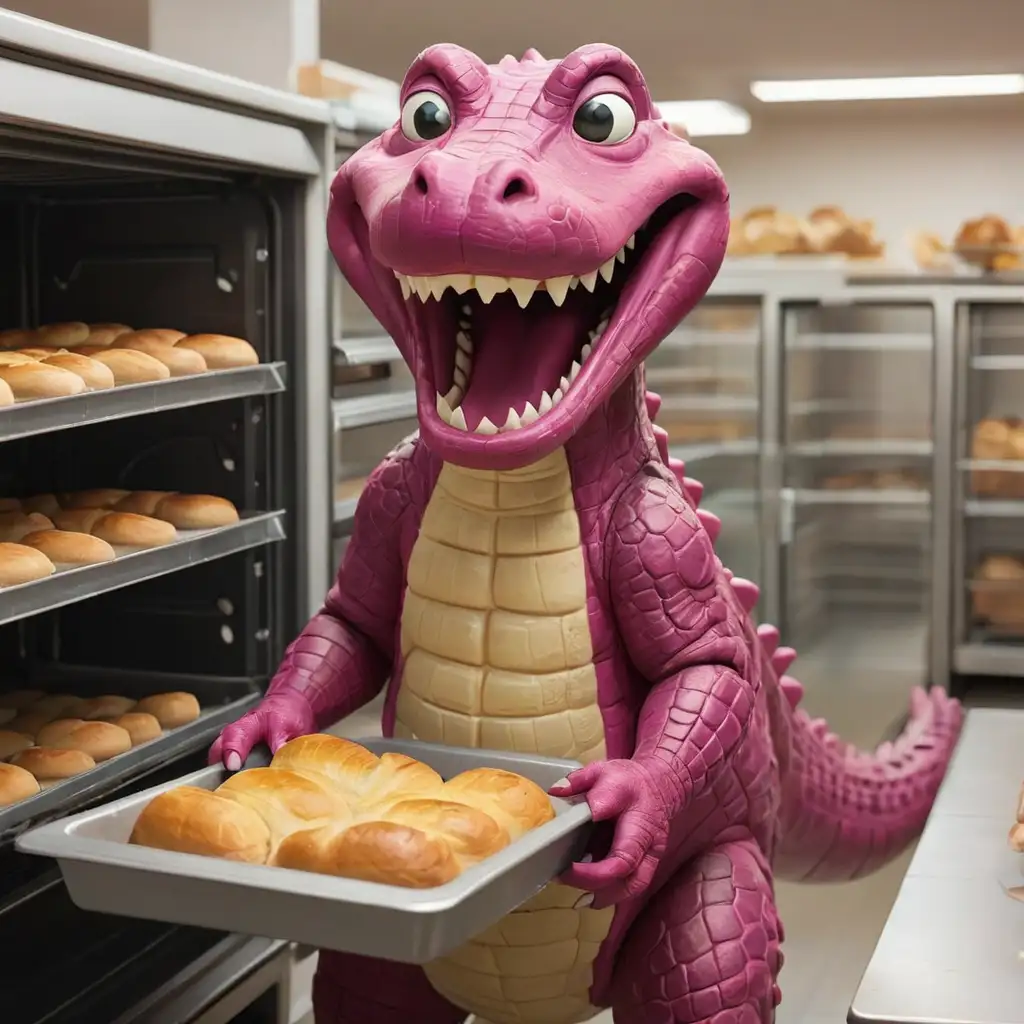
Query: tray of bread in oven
[(390, 848)]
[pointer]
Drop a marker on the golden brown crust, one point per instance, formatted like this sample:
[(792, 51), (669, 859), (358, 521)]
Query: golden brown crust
[(50, 765), (131, 367), (65, 548), (96, 497), (196, 511), (16, 526), (182, 362), (22, 564), (12, 743), (220, 351), (141, 503), (100, 740), (130, 530), (43, 504), (60, 705), (16, 784), (171, 710), (142, 728), (107, 706), (96, 376), (106, 334), (34, 381), (62, 335)]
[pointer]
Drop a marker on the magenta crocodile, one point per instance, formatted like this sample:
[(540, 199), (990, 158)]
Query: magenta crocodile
[(532, 572)]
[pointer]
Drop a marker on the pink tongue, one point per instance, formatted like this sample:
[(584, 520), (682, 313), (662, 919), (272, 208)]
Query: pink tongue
[(517, 355)]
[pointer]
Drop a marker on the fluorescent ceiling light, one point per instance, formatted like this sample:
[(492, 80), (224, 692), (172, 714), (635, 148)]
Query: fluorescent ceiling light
[(706, 117), (930, 87)]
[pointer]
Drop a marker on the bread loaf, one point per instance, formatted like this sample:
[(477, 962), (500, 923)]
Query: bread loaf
[(106, 334), (109, 706), (65, 548), (34, 381), (45, 504), (15, 526), (96, 376), (97, 497), (60, 705), (182, 362), (131, 367), (50, 765), (142, 503), (22, 564), (16, 784), (220, 351), (140, 727), (100, 740), (117, 528), (61, 335), (31, 721), (170, 709), (14, 337), (12, 743), (196, 511), (6, 394), (330, 806), (168, 337)]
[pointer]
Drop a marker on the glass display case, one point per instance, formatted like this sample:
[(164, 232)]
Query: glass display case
[(856, 501), (708, 375), (989, 535)]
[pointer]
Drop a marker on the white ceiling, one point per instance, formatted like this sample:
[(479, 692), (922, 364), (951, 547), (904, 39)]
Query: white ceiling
[(694, 48)]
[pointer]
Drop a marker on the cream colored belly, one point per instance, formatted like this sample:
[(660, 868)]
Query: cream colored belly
[(497, 654)]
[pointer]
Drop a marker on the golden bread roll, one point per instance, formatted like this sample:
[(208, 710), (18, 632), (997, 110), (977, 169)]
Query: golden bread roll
[(6, 394), (60, 705), (16, 784), (196, 511), (31, 721), (193, 820), (1016, 836), (170, 709), (45, 504), (15, 337), (96, 376), (89, 350), (163, 334), (15, 526), (34, 381), (985, 232), (49, 765), (100, 740), (108, 706), (220, 351), (182, 362), (118, 528), (140, 727), (131, 367), (22, 564), (98, 497), (38, 354), (20, 700), (16, 358), (106, 334), (12, 743), (61, 335), (65, 548), (331, 806), (142, 503)]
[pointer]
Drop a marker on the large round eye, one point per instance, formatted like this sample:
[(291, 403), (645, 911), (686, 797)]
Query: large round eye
[(425, 116), (605, 119)]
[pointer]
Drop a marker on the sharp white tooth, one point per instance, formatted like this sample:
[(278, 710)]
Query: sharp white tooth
[(444, 410), (485, 426), (530, 415), (512, 422), (459, 419), (462, 361), (403, 283), (631, 242), (589, 281), (461, 283), (437, 286), (523, 289), (574, 283), (466, 311), (556, 396), (574, 370), (421, 286), (462, 340), (558, 288), (454, 396), (563, 385), (602, 325), (621, 255), (464, 325), (586, 352), (608, 269), (460, 378), (488, 287), (545, 404)]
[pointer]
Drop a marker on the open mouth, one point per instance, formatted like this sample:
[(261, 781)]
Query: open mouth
[(502, 352)]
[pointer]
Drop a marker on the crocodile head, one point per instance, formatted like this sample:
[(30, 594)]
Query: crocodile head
[(527, 233)]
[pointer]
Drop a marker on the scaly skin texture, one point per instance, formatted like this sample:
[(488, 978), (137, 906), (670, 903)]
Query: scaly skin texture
[(552, 586)]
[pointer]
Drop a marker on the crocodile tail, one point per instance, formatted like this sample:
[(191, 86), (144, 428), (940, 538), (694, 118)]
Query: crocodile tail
[(846, 812)]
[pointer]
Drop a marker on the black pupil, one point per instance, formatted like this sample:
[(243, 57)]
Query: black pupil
[(431, 120), (594, 121)]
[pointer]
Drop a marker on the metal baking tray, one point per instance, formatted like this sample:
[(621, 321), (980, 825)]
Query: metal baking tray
[(222, 701), (103, 873)]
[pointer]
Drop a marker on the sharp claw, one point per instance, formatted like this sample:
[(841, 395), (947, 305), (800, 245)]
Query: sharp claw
[(233, 762)]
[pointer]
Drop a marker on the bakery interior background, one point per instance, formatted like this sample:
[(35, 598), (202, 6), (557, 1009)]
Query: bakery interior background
[(915, 168)]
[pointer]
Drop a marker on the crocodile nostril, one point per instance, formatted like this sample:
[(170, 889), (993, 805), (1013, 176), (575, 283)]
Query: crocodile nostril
[(517, 186), (420, 182)]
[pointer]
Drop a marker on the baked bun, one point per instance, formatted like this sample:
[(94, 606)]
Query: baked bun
[(60, 705), (37, 354), (22, 564), (196, 511), (170, 709), (61, 335), (15, 337), (167, 336), (45, 504), (97, 497), (106, 334), (331, 806), (34, 381), (16, 784), (100, 740), (220, 351), (141, 503), (31, 721), (106, 707), (19, 700), (6, 394), (118, 528), (96, 376), (12, 743), (16, 358), (182, 362), (131, 367), (140, 727), (15, 526), (49, 765), (65, 548)]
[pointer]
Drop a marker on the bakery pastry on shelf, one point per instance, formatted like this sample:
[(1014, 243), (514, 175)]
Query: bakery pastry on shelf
[(998, 593), (990, 243), (330, 806), (766, 230), (998, 440)]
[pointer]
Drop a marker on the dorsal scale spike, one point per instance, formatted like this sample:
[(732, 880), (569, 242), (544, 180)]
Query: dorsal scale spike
[(532, 55), (693, 489), (653, 403), (792, 690), (710, 522), (769, 637), (782, 659), (746, 591)]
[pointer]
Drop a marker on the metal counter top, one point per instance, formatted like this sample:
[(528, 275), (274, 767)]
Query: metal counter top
[(953, 947)]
